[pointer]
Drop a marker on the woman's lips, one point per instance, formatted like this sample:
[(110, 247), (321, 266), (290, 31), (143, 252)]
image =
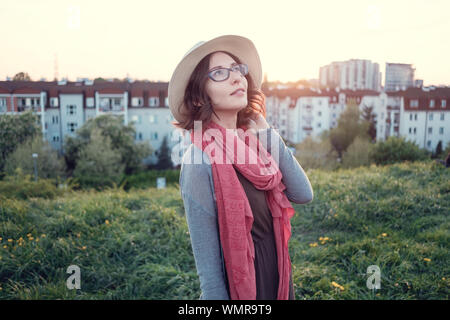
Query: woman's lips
[(238, 93)]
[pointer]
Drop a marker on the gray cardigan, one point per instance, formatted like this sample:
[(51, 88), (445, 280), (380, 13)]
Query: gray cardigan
[(197, 191)]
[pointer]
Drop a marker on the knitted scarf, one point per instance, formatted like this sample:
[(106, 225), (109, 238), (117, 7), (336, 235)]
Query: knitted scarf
[(226, 149)]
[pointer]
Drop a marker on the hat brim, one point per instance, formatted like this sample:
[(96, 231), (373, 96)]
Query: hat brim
[(241, 47)]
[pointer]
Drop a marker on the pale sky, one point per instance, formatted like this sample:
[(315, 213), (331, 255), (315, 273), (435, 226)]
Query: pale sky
[(146, 39)]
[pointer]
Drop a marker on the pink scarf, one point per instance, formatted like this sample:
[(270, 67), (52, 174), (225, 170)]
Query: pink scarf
[(234, 212)]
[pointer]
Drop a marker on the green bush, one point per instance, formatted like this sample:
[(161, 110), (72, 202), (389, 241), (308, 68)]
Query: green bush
[(23, 186), (357, 154), (312, 154), (147, 179), (397, 149)]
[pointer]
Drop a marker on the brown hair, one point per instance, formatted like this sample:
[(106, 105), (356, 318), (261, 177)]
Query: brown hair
[(195, 94)]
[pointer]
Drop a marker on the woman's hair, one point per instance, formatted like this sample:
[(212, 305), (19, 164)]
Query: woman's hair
[(195, 96)]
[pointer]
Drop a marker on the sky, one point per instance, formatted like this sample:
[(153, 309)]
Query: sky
[(145, 40)]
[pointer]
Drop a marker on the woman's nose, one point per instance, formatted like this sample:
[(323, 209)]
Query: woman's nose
[(235, 76)]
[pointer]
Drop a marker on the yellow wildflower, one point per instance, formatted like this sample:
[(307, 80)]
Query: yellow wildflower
[(426, 259), (10, 240), (83, 248), (337, 285), (4, 247), (384, 234), (43, 235), (1, 238), (107, 222), (313, 244)]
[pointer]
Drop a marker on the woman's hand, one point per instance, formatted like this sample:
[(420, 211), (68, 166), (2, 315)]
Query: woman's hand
[(257, 122)]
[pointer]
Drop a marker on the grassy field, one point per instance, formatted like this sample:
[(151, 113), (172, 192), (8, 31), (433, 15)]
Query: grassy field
[(135, 244)]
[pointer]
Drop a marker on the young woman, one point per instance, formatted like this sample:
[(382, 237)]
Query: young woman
[(237, 177)]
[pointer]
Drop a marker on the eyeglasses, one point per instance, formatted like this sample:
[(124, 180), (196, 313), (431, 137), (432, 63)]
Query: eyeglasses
[(223, 74)]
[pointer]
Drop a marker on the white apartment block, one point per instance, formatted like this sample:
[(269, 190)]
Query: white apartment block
[(63, 107), (354, 74), (399, 76), (418, 114)]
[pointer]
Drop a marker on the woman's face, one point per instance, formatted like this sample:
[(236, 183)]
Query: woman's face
[(220, 93)]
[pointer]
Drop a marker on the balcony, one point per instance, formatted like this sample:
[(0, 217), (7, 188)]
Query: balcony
[(111, 105)]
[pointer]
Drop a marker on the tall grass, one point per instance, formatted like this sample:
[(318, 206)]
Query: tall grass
[(135, 244)]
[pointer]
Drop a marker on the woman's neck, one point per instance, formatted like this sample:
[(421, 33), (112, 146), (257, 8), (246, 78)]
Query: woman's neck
[(226, 120)]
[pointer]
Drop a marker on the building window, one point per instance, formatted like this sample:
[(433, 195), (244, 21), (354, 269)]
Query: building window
[(430, 117), (320, 112), (154, 135), (55, 138), (140, 135), (55, 119), (153, 101), (319, 125), (414, 130), (90, 102), (413, 103), (415, 116), (382, 115), (429, 143), (72, 126), (442, 116), (153, 118), (136, 118), (410, 116), (432, 103), (53, 102), (71, 110), (117, 101), (409, 130), (443, 103), (136, 102), (430, 130), (441, 130)]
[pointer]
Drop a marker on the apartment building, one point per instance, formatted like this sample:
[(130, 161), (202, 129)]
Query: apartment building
[(418, 114), (63, 107), (353, 74)]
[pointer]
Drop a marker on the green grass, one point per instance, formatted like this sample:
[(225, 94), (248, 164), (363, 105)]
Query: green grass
[(135, 244)]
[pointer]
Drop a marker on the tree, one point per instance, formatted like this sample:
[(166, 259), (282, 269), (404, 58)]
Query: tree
[(350, 125), (99, 164), (439, 149), (14, 130), (164, 158), (369, 116), (49, 166), (22, 76), (122, 142)]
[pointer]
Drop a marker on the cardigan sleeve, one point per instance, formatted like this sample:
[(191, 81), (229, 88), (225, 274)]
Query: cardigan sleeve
[(298, 187), (198, 197)]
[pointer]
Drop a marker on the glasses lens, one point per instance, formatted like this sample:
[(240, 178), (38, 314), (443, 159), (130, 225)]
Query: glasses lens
[(244, 69), (219, 74)]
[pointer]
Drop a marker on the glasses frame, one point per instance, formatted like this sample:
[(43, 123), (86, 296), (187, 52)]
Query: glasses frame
[(229, 70)]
